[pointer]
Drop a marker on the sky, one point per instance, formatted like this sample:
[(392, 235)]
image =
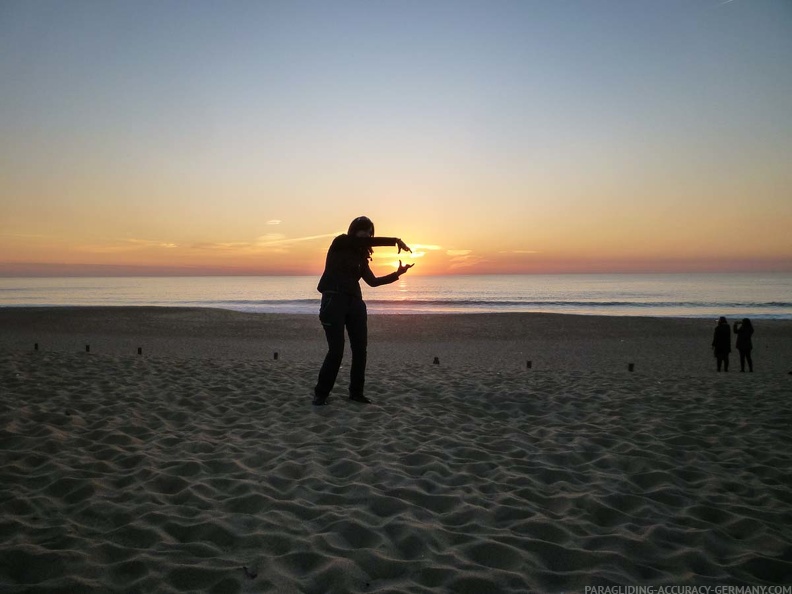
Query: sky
[(192, 137)]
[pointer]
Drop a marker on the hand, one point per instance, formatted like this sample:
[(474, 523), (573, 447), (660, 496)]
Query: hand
[(404, 268), (402, 246)]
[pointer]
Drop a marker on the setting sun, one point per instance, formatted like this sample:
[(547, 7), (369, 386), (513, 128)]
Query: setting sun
[(503, 138)]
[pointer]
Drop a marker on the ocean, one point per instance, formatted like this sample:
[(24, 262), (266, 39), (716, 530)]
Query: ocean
[(757, 295)]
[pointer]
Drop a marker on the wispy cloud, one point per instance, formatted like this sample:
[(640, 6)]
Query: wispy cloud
[(125, 245), (274, 222), (419, 250), (518, 252), (265, 242), (221, 245), (270, 239), (463, 259), (465, 262), (152, 243), (269, 242)]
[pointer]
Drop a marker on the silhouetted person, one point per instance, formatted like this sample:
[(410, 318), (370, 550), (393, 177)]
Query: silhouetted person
[(744, 331), (721, 343), (342, 304)]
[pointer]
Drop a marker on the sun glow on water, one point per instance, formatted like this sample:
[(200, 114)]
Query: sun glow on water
[(682, 295)]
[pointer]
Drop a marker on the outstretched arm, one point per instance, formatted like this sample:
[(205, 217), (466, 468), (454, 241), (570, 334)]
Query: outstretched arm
[(380, 242), (376, 281)]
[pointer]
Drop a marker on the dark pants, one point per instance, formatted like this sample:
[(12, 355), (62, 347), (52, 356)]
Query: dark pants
[(339, 311), (722, 358), (745, 355)]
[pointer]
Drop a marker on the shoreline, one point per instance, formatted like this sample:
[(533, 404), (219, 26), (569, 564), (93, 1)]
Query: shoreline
[(490, 340), (378, 308)]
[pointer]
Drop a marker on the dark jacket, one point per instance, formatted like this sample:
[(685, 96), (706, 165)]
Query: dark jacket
[(721, 341), (743, 333), (347, 263)]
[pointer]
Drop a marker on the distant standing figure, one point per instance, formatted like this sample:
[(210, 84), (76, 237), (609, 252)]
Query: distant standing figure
[(721, 343), (343, 306), (744, 331)]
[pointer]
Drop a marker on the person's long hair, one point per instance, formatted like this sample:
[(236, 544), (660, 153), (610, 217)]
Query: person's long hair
[(746, 323), (362, 224)]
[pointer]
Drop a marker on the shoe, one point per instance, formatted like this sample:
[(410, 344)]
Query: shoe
[(319, 400), (360, 398)]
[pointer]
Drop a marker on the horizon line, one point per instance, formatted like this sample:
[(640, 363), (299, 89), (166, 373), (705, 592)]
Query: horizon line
[(222, 274)]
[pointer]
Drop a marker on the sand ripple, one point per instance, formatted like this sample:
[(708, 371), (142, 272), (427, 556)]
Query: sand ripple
[(124, 474)]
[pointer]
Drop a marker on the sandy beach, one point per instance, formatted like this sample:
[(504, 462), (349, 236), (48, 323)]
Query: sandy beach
[(201, 466)]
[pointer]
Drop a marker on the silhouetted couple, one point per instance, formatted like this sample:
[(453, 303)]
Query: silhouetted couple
[(721, 343), (343, 306)]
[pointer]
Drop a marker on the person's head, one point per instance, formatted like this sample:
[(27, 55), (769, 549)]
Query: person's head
[(361, 227), (722, 320), (746, 323)]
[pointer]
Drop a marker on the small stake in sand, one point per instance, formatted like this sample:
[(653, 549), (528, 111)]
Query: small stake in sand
[(140, 350), (631, 367), (251, 574), (35, 347), (275, 355), (529, 364), (87, 348), (436, 361)]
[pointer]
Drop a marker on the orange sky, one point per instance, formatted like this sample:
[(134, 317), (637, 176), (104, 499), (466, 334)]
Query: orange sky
[(503, 138)]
